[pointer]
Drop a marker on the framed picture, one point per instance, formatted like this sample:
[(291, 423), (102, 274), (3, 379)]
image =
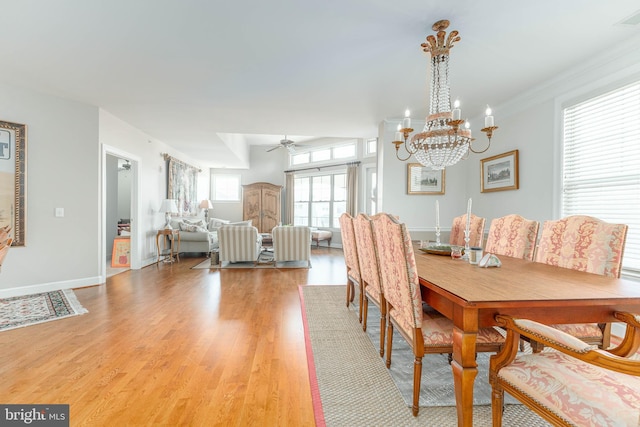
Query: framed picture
[(499, 172), (423, 180), (121, 252), (13, 152)]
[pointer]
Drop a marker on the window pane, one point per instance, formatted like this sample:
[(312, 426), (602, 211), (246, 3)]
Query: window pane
[(338, 209), (226, 188), (300, 158), (301, 213), (321, 188), (320, 155), (320, 214), (340, 187), (372, 145), (344, 151), (301, 189)]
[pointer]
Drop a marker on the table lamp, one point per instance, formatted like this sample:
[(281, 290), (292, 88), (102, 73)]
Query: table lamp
[(168, 206), (206, 205)]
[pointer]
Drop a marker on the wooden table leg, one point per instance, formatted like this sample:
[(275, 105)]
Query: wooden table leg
[(465, 369)]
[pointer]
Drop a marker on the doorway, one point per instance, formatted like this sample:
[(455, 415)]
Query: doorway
[(119, 212)]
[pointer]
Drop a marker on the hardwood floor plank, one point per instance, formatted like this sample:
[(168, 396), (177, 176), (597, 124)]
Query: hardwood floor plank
[(168, 345)]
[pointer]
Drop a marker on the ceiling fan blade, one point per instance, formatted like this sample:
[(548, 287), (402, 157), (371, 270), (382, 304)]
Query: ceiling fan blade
[(274, 148)]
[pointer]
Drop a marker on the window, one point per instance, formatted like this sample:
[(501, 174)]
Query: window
[(225, 188), (325, 154), (320, 200), (601, 163), (370, 146)]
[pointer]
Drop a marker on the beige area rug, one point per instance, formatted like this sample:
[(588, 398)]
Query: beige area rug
[(351, 385), (265, 261)]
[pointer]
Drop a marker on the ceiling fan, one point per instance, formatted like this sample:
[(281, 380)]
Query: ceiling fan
[(284, 143)]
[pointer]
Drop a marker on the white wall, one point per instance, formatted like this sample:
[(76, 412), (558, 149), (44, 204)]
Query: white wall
[(265, 167), (152, 171), (62, 172)]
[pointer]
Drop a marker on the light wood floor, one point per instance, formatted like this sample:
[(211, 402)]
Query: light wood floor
[(172, 346)]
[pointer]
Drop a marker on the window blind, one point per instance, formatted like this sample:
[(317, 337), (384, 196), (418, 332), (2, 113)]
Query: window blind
[(601, 163)]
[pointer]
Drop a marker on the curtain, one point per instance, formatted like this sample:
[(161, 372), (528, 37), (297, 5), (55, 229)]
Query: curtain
[(182, 186), (352, 188), (288, 203)]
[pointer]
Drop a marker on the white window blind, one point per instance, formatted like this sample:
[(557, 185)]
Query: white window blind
[(601, 163)]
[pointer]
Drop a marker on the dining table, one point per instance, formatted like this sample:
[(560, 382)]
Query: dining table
[(472, 296)]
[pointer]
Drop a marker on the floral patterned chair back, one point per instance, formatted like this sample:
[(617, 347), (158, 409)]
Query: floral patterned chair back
[(398, 272), (513, 236), (583, 243), (476, 230), (370, 272), (350, 255)]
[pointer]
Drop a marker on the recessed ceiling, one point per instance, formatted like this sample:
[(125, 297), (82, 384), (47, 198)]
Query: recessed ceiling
[(187, 72)]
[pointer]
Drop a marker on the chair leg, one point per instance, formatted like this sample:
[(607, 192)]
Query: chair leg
[(417, 376), (365, 311), (349, 291), (389, 342), (360, 300), (497, 405), (382, 332)]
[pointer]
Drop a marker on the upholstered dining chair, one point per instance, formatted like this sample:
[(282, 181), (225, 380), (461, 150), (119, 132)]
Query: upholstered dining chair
[(351, 259), (370, 273), (424, 332), (583, 243), (512, 235), (476, 230), (574, 385)]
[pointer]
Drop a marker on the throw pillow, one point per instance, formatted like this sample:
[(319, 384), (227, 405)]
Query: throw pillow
[(198, 222), (215, 223), (191, 228), (241, 223)]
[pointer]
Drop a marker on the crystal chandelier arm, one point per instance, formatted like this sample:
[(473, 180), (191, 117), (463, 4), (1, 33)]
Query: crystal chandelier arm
[(489, 131)]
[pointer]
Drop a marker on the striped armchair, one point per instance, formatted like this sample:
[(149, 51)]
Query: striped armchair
[(239, 243), (291, 244)]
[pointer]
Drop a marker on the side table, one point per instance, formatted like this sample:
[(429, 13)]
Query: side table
[(173, 250)]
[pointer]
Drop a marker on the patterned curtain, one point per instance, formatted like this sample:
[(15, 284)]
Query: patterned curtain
[(182, 186)]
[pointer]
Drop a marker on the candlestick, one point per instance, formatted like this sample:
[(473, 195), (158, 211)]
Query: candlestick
[(467, 231), (488, 120), (456, 113), (406, 122), (437, 214), (469, 213)]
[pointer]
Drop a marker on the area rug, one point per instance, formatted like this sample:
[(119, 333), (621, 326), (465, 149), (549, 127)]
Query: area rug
[(350, 383), (264, 261), (27, 310)]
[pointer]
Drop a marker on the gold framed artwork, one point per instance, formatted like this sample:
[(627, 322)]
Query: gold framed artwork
[(499, 172), (13, 167), (423, 180)]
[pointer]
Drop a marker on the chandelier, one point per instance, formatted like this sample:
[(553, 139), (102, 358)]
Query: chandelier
[(446, 138)]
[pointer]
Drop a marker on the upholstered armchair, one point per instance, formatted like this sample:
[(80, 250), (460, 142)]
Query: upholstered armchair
[(239, 243), (291, 243), (513, 236), (587, 244), (476, 230), (575, 385)]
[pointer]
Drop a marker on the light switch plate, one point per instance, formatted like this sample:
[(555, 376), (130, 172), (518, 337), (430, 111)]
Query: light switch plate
[(59, 212)]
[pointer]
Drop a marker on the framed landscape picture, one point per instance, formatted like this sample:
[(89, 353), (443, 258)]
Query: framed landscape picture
[(499, 172), (13, 152), (423, 180)]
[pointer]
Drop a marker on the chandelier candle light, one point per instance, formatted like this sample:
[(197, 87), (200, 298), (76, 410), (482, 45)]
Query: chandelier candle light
[(443, 141)]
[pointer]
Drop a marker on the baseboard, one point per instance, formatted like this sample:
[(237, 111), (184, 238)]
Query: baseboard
[(47, 287)]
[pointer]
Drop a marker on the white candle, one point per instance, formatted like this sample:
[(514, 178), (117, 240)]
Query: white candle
[(437, 214), (488, 120), (456, 113), (406, 122), (469, 214), (398, 136)]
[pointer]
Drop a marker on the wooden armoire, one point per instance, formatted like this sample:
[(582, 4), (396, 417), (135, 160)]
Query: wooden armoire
[(261, 204)]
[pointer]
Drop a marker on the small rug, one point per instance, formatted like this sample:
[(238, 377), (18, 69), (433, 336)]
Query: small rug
[(264, 261), (27, 310)]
